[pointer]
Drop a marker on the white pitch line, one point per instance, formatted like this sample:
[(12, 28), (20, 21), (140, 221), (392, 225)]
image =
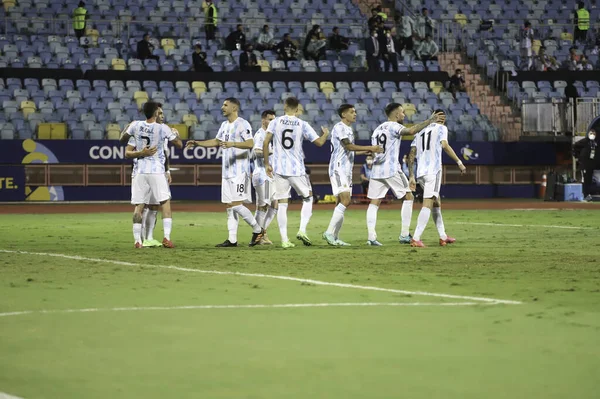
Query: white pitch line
[(287, 278), (275, 306), (7, 396), (525, 225)]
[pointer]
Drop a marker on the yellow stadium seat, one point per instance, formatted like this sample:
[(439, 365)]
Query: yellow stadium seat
[(181, 128), (93, 35), (566, 36), (8, 4), (113, 131), (436, 87), (118, 64), (326, 85), (44, 130), (58, 131), (461, 19), (168, 49), (190, 120), (535, 46), (264, 65), (409, 109), (167, 42), (197, 85), (140, 94), (27, 107)]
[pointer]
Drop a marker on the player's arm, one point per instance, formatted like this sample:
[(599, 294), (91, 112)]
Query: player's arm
[(448, 150), (323, 139), (410, 131), (130, 152), (412, 184), (125, 136), (203, 143), (243, 145), (265, 150), (348, 146)]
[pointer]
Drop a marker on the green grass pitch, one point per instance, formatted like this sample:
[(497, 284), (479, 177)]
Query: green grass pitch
[(138, 340)]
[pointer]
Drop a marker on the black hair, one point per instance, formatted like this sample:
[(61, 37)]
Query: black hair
[(391, 108), (267, 113), (343, 108), (292, 102), (440, 111), (233, 100), (150, 109)]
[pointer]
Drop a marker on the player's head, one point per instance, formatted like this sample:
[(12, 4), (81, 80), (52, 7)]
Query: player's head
[(230, 106), (394, 112), (267, 116), (441, 111), (290, 105), (347, 112), (153, 110)]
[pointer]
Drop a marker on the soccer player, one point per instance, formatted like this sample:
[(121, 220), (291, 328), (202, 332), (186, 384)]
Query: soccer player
[(387, 172), (266, 206), (235, 139), (145, 145), (288, 170), (340, 169), (427, 148)]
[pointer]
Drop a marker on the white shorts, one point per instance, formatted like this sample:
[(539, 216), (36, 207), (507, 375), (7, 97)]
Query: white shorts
[(149, 189), (265, 193), (398, 183), (284, 184), (341, 183), (236, 189), (431, 185)]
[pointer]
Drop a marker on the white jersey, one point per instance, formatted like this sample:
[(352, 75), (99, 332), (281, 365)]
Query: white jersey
[(235, 160), (429, 149), (143, 135), (341, 160), (387, 163), (288, 134), (259, 176), (134, 170)]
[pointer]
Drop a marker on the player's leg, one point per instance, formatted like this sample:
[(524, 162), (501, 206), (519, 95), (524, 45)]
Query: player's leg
[(140, 194), (399, 185), (302, 186), (161, 193), (151, 222), (144, 217), (227, 192), (282, 193), (243, 196), (377, 191), (429, 182), (271, 214), (262, 203), (436, 213), (342, 190)]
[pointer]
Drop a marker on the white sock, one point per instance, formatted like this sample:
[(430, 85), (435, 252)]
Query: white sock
[(372, 221), (406, 214), (271, 213), (246, 214), (338, 227), (338, 215), (232, 225), (421, 223), (150, 224), (439, 222), (167, 224), (144, 224), (305, 214), (137, 232), (260, 218), (282, 222)]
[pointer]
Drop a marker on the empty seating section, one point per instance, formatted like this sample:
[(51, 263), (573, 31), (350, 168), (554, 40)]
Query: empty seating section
[(100, 109), (543, 91)]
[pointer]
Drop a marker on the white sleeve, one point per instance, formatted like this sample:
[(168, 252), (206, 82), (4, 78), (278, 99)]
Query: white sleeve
[(259, 140), (414, 142), (309, 133), (131, 141), (341, 133), (169, 135), (246, 133), (400, 129), (443, 134), (220, 133), (272, 126)]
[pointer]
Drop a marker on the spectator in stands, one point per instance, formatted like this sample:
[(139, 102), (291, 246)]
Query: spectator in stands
[(375, 19), (265, 39), (582, 23), (573, 60), (314, 44), (457, 83), (145, 49), (584, 64), (199, 60), (543, 62), (427, 49), (390, 58), (79, 16), (586, 152), (248, 61), (373, 52), (236, 39), (338, 42), (405, 26), (425, 24), (526, 43), (382, 14), (286, 50), (365, 174), (211, 19)]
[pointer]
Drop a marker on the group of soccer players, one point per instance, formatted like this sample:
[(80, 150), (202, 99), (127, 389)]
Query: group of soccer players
[(277, 153)]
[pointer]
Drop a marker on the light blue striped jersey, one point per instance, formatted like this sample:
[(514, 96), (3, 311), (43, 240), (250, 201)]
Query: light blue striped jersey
[(288, 134), (387, 163), (145, 134), (235, 160), (341, 160), (429, 149), (259, 175)]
